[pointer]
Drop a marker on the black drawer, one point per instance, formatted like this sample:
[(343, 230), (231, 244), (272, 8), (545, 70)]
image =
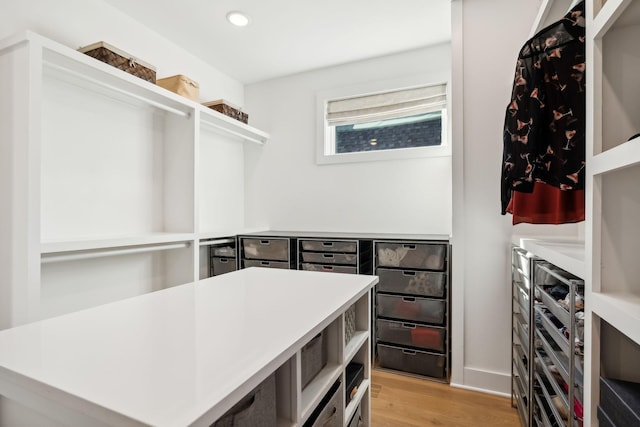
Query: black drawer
[(330, 258), (267, 264), (329, 246), (411, 282), (411, 308), (414, 361), (429, 256), (330, 268), (411, 334), (222, 265), (267, 249)]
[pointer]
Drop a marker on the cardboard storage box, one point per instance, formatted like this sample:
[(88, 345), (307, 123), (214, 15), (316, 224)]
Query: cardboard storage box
[(182, 85), (121, 60), (224, 107)]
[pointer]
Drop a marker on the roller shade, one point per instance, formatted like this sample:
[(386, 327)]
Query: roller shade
[(387, 105)]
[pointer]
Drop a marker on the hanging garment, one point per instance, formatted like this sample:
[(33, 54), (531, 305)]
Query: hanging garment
[(547, 205), (545, 121)]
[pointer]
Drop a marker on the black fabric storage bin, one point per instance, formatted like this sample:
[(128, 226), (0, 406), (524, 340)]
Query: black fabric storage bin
[(256, 409), (410, 282), (604, 419), (268, 249), (429, 256), (411, 334), (313, 358), (330, 268), (414, 309), (620, 400), (413, 361)]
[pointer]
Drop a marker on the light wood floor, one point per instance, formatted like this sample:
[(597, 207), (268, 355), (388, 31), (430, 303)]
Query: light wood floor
[(399, 400)]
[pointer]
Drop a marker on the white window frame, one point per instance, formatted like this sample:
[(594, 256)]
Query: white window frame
[(325, 144)]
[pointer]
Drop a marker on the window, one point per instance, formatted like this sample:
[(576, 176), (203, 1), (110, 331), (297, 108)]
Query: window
[(403, 123)]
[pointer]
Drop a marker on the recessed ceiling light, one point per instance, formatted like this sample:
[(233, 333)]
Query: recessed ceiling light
[(238, 19)]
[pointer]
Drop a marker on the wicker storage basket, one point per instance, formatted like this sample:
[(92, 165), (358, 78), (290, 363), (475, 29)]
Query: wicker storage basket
[(117, 58), (227, 109), (181, 85)]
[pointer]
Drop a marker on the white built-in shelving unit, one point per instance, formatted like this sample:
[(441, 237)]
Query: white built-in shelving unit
[(613, 194), (109, 182), (607, 259)]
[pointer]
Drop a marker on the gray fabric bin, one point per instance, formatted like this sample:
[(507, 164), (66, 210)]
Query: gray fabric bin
[(329, 246), (329, 268), (256, 409), (267, 249), (356, 420), (329, 411), (429, 256), (411, 282), (413, 361), (413, 309), (313, 358)]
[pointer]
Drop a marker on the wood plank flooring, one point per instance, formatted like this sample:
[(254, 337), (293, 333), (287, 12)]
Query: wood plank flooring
[(399, 400)]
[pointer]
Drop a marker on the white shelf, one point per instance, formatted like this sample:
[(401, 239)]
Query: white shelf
[(567, 254), (313, 393), (355, 343), (621, 310), (621, 156), (363, 389), (614, 13), (223, 123)]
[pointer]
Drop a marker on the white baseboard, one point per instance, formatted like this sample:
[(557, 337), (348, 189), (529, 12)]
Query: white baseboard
[(483, 381)]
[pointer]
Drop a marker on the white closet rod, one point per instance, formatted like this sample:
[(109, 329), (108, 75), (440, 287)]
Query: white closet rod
[(121, 91), (78, 256), (238, 134), (216, 242)]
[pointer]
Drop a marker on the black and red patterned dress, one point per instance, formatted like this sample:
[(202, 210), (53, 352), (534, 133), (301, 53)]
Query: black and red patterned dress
[(544, 131)]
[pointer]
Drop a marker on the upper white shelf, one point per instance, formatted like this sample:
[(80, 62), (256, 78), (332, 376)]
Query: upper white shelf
[(83, 70), (231, 126), (621, 310), (566, 254), (614, 14), (621, 156)]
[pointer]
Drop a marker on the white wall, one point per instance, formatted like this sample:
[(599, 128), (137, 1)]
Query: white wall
[(76, 23), (286, 190), (486, 48)]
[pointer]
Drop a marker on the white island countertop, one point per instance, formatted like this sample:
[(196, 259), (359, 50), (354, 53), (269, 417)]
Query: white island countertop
[(176, 357)]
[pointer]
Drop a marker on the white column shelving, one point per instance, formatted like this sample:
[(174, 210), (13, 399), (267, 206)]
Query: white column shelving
[(108, 182), (613, 196)]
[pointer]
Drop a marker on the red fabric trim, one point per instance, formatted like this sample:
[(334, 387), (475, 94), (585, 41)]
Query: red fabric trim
[(547, 205)]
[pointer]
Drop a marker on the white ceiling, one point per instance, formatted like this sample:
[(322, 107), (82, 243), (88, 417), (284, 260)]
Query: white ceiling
[(290, 36)]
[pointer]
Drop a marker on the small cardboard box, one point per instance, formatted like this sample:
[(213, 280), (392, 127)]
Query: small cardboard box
[(122, 60), (182, 85)]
